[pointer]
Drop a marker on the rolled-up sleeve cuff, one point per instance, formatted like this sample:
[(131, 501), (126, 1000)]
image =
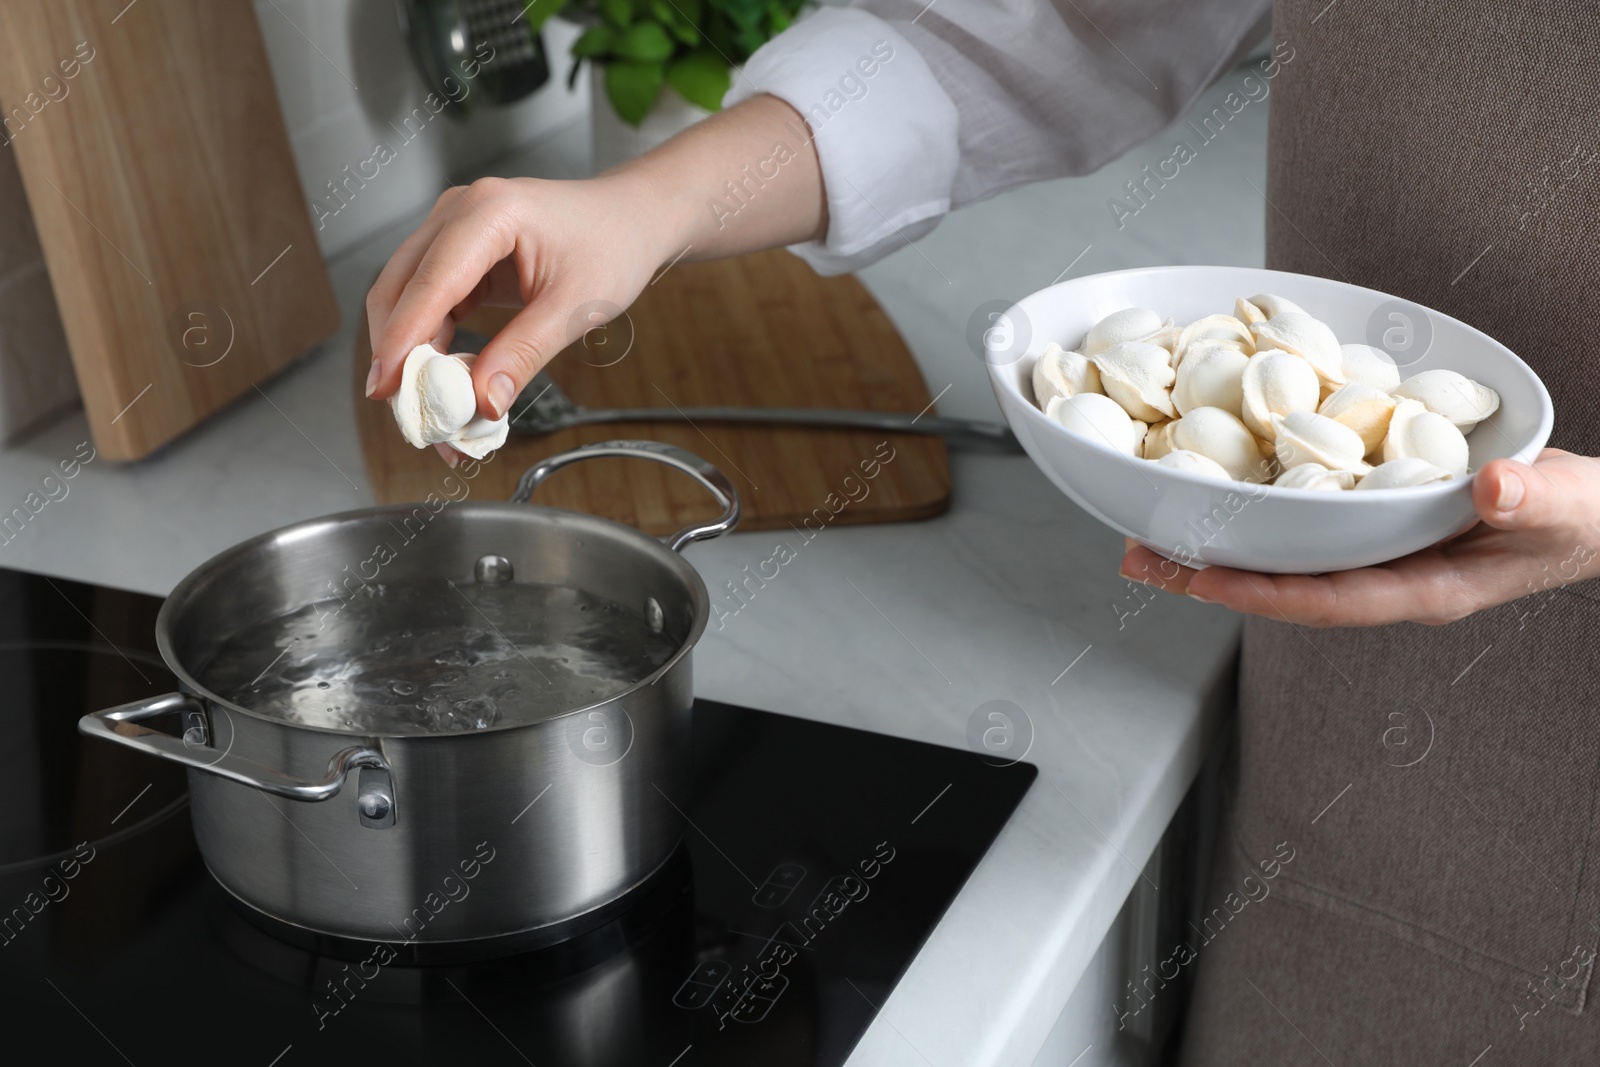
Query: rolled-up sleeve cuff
[(884, 128)]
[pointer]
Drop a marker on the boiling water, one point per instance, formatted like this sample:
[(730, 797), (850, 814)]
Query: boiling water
[(429, 656)]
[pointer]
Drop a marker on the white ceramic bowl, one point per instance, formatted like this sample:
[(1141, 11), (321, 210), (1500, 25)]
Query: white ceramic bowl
[(1198, 520)]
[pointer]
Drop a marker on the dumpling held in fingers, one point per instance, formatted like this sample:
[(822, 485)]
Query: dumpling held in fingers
[(436, 404)]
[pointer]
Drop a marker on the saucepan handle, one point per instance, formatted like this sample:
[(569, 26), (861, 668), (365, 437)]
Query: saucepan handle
[(687, 462), (124, 726)]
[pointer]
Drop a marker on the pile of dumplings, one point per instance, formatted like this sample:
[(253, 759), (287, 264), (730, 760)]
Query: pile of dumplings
[(1265, 395)]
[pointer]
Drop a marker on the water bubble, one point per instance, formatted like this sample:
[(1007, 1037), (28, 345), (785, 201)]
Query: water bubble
[(438, 711), (550, 649), (475, 713)]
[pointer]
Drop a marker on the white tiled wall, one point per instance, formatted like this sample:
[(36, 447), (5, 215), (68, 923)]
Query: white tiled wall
[(344, 74)]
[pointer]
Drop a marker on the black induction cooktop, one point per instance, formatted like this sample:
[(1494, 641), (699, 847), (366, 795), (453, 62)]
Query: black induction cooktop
[(817, 861)]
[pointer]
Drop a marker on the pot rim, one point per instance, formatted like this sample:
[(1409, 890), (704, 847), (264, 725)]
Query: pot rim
[(307, 527)]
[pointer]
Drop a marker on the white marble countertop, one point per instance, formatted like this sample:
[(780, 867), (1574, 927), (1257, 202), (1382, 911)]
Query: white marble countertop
[(902, 629)]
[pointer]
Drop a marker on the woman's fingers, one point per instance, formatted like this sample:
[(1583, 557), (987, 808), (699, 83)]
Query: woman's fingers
[(540, 246), (1323, 600), (1540, 525), (501, 287), (1425, 587), (444, 334), (1142, 565), (518, 352), (385, 293), (1561, 490), (448, 273), (440, 268)]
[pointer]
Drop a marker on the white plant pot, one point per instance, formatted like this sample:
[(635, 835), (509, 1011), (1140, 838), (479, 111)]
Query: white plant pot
[(617, 142)]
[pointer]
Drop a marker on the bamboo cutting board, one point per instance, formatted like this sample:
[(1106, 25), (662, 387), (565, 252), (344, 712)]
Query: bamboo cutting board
[(760, 330), (165, 194)]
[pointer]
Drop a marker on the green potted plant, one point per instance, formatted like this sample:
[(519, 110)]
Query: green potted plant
[(652, 57)]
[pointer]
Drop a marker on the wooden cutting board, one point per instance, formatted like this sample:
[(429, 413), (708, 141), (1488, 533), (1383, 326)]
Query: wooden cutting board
[(167, 203), (760, 330)]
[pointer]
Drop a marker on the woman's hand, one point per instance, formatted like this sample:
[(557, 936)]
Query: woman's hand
[(569, 252), (552, 248), (1539, 528)]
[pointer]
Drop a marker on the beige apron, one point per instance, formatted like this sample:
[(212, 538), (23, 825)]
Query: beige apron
[(1438, 786)]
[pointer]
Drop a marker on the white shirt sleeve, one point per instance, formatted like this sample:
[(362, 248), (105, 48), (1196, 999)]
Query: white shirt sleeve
[(917, 108), (884, 128)]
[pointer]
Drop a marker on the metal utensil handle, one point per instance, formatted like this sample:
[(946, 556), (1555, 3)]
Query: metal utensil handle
[(687, 462), (902, 422), (122, 725)]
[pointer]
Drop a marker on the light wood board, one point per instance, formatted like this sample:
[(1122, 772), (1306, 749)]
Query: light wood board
[(165, 194), (759, 330)]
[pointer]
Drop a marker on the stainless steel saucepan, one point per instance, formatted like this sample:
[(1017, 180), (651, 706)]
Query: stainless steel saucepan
[(531, 826)]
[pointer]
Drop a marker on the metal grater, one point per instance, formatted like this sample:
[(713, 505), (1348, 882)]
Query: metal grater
[(446, 35)]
